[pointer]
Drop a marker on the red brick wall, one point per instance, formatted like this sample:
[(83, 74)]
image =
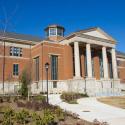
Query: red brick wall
[(121, 70), (44, 50), (96, 65), (23, 62)]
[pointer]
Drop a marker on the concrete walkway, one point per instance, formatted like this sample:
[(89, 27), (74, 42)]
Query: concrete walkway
[(90, 109)]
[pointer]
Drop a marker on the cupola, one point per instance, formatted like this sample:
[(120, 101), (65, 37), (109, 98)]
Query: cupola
[(54, 32)]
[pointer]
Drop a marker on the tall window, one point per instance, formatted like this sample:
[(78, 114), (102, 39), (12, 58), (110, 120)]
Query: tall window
[(60, 32), (92, 54), (54, 67), (15, 69), (101, 65), (85, 65), (36, 62), (110, 69), (15, 51)]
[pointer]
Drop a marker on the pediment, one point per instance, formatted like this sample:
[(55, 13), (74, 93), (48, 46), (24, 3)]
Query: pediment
[(99, 33), (96, 34)]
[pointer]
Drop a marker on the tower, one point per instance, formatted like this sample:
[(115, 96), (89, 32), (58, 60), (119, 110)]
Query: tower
[(54, 32)]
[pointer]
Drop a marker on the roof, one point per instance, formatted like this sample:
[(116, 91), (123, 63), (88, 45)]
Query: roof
[(53, 26), (20, 36), (81, 32), (120, 54)]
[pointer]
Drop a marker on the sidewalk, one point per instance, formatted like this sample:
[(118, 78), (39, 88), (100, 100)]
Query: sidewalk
[(90, 109)]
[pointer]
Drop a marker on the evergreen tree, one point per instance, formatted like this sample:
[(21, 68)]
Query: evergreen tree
[(25, 81)]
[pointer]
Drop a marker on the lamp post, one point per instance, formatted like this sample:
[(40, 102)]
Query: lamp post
[(47, 67)]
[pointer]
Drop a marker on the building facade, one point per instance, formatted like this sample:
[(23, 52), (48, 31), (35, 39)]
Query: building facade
[(84, 61)]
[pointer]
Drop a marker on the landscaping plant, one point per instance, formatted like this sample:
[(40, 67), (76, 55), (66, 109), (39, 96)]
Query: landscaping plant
[(25, 81), (8, 117), (22, 117)]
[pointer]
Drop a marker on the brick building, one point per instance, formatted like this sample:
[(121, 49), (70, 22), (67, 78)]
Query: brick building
[(85, 60)]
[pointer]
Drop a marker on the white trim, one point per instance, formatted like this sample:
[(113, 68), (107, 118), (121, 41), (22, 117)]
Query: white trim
[(14, 57), (121, 67), (15, 44), (121, 59), (54, 54), (90, 41), (20, 40)]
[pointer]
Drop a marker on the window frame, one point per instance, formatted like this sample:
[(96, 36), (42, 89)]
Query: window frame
[(54, 67), (15, 69), (52, 33), (15, 51), (36, 66)]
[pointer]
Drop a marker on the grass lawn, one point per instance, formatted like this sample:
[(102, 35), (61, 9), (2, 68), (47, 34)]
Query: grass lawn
[(118, 101)]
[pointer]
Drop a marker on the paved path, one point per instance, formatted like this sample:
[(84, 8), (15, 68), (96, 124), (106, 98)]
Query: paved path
[(90, 109)]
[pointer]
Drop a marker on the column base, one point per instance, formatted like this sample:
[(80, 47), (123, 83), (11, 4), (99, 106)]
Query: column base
[(77, 77), (116, 84), (90, 78), (90, 85)]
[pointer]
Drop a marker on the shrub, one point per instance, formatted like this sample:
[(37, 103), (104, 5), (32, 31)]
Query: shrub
[(48, 117), (37, 119), (15, 99), (59, 113), (8, 117), (22, 117), (25, 81), (71, 97), (39, 98)]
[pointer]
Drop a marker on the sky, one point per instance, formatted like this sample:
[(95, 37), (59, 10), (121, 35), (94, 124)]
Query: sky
[(32, 16)]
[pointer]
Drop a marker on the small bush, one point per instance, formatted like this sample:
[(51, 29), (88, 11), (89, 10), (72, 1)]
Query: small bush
[(8, 117), (71, 97), (39, 98), (15, 99), (22, 117)]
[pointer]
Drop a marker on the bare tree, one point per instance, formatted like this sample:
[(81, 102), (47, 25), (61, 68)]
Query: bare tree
[(4, 25)]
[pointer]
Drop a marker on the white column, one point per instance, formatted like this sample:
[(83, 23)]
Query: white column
[(89, 62), (114, 64), (105, 64), (77, 60)]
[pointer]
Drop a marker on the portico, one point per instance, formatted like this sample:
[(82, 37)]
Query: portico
[(106, 47), (89, 61)]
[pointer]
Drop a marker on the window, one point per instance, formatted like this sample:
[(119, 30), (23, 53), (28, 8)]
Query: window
[(36, 62), (52, 31), (54, 84), (54, 67), (15, 69), (101, 65), (92, 54), (85, 65), (118, 62), (110, 69), (15, 51), (60, 32)]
